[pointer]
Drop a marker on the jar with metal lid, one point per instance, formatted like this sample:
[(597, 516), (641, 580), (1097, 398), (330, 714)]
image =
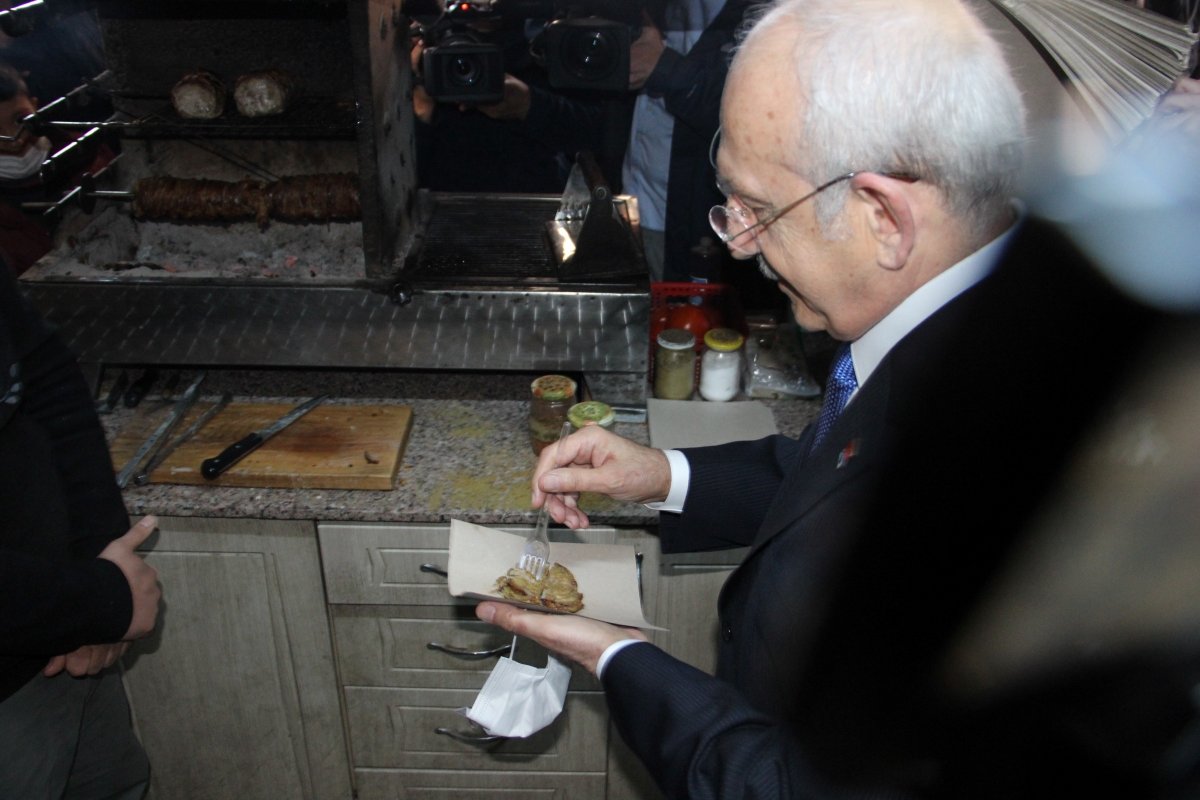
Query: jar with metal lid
[(552, 396), (675, 365), (591, 412), (721, 365)]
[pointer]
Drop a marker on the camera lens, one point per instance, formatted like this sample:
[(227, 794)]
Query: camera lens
[(463, 71), (591, 54)]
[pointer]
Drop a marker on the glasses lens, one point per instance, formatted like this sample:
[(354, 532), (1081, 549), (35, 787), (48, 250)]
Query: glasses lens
[(733, 228), (718, 218)]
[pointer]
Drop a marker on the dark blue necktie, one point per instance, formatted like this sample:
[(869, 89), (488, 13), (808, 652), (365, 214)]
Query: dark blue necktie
[(838, 388)]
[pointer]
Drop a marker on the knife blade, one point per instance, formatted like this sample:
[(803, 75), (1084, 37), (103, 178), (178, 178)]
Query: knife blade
[(212, 467), (164, 429), (144, 476)]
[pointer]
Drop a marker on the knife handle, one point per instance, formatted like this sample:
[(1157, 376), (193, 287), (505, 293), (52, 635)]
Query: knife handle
[(212, 467), (140, 388)]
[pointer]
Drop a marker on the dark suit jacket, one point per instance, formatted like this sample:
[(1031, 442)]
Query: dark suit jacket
[(870, 552)]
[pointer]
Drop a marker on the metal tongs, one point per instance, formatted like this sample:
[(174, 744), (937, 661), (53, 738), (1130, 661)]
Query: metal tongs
[(157, 439), (536, 554)]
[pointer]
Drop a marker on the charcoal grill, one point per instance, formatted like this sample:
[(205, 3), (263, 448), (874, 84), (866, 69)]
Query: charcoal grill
[(422, 281)]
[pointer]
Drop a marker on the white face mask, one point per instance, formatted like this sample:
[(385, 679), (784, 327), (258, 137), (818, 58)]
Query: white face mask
[(520, 700), (15, 168)]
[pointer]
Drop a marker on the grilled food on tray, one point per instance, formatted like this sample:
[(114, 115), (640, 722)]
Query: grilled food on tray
[(557, 590), (199, 95), (262, 94), (299, 198)]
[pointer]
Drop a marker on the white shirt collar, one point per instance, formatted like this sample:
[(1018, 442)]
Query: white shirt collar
[(870, 348)]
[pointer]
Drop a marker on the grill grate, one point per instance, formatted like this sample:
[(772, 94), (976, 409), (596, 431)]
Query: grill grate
[(502, 238)]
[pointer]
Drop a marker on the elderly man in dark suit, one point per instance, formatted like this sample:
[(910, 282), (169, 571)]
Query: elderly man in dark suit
[(869, 151)]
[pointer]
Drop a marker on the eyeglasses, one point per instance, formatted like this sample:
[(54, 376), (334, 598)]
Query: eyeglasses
[(734, 223)]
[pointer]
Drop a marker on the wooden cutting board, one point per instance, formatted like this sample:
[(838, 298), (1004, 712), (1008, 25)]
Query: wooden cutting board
[(330, 447)]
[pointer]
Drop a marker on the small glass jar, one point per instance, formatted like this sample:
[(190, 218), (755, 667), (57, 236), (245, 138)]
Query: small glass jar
[(721, 365), (552, 396), (675, 365), (591, 412)]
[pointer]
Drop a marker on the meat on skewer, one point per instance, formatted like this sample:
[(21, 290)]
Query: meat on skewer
[(300, 198)]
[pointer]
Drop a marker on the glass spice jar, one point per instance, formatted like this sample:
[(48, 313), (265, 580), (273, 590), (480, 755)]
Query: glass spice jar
[(552, 396), (591, 412), (721, 365), (675, 365)]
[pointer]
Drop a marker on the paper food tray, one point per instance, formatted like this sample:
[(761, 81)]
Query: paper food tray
[(607, 574)]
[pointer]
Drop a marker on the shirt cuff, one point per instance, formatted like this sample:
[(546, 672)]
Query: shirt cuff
[(611, 651), (681, 475)]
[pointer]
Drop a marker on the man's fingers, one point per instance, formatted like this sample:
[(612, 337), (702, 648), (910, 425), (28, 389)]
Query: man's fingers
[(140, 531), (54, 666)]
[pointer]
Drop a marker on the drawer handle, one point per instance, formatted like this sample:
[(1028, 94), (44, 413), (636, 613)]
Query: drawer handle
[(435, 569), (462, 652), (469, 738)]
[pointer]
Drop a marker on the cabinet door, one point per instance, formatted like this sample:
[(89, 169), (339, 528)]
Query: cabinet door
[(688, 586), (235, 694)]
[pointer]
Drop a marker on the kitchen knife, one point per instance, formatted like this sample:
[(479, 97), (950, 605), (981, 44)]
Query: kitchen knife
[(212, 467), (143, 477)]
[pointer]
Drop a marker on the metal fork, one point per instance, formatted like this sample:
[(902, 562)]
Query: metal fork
[(536, 554)]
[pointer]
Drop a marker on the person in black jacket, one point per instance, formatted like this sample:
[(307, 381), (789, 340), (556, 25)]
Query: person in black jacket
[(678, 66), (869, 152), (73, 591)]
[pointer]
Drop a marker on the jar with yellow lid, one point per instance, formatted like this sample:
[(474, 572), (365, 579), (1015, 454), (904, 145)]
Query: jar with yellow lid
[(551, 397), (721, 365)]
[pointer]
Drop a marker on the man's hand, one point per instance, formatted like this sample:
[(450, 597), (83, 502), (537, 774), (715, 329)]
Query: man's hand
[(579, 639), (595, 460), (142, 578), (423, 104), (515, 105), (644, 53), (87, 660)]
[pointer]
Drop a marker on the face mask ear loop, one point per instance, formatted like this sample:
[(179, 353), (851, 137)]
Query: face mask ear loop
[(512, 649)]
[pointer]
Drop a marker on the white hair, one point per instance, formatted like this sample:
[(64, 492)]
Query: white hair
[(904, 86)]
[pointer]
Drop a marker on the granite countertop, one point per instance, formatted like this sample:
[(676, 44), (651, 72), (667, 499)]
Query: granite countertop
[(468, 455)]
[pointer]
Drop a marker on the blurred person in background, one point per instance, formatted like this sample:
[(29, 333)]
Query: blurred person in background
[(25, 236)]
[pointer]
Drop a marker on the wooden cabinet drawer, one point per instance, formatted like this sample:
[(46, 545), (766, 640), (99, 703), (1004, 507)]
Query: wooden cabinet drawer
[(390, 784), (441, 647), (381, 564), (398, 728)]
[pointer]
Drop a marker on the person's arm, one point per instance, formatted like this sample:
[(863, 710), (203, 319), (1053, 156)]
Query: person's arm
[(104, 592), (698, 736), (691, 85), (730, 488)]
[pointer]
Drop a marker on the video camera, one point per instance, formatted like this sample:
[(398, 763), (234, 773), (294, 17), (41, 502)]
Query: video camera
[(584, 44)]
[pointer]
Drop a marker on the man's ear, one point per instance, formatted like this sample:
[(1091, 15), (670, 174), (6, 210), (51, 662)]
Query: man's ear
[(890, 217)]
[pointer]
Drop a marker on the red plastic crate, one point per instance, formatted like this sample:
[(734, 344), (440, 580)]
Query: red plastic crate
[(720, 296)]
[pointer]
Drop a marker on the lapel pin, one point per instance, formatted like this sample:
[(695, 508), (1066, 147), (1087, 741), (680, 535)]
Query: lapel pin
[(848, 452)]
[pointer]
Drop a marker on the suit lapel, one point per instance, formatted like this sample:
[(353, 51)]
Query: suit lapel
[(847, 453)]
